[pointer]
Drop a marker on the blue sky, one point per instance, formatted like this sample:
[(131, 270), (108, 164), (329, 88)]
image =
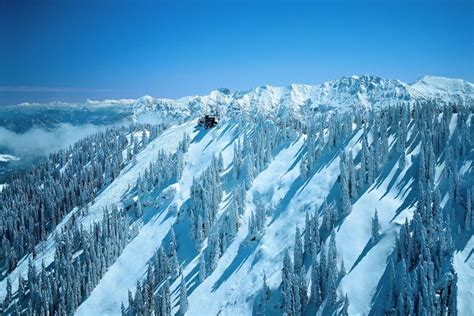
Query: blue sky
[(73, 50)]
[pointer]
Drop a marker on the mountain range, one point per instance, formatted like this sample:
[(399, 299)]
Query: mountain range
[(353, 197)]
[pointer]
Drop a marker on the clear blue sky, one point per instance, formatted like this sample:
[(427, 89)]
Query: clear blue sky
[(73, 50)]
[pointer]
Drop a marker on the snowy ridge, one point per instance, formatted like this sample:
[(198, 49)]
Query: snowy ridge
[(365, 91), (300, 99)]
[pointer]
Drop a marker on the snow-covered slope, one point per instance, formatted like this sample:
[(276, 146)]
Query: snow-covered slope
[(280, 186), (232, 287)]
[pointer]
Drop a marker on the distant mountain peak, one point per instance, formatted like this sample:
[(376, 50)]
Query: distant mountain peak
[(356, 90)]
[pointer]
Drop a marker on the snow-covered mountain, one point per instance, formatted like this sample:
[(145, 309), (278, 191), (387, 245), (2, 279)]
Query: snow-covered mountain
[(297, 99), (350, 197), (300, 99)]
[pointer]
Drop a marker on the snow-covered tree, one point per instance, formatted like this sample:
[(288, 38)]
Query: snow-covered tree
[(304, 168), (265, 289), (202, 268), (307, 235), (315, 290), (468, 217), (375, 228), (287, 285), (183, 297), (298, 251)]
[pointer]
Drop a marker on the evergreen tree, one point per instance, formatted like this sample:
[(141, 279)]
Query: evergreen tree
[(298, 251), (345, 307), (266, 290), (323, 271), (138, 209), (202, 268), (315, 238), (315, 295), (390, 302), (342, 270), (468, 217), (166, 299), (304, 168), (287, 285), (307, 236), (183, 297), (375, 228), (332, 273)]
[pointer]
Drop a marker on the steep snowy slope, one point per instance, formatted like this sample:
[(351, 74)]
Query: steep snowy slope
[(132, 264), (231, 288), (231, 214), (111, 195)]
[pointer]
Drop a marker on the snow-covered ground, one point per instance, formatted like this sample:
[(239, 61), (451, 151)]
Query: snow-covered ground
[(132, 264), (231, 288), (168, 140), (464, 266), (238, 276)]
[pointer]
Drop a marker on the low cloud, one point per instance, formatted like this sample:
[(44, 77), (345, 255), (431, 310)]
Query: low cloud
[(38, 141)]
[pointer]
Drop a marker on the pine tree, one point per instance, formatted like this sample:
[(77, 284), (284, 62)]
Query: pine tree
[(307, 236), (298, 251), (287, 285), (375, 228), (315, 295), (342, 270), (332, 273), (323, 271), (220, 164), (345, 307), (266, 290), (328, 216), (202, 268), (139, 304), (183, 297), (315, 238), (172, 255), (390, 302), (352, 176), (138, 209), (300, 288), (468, 217), (346, 206), (123, 311), (166, 300), (304, 168), (8, 296)]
